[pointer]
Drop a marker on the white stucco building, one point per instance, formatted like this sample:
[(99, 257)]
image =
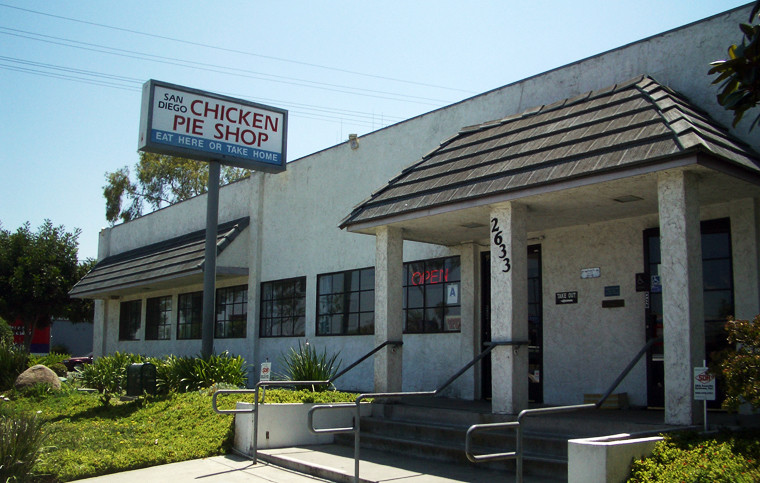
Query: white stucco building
[(576, 213)]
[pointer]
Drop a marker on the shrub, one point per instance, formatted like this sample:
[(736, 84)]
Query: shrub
[(185, 374), (305, 364), (728, 457), (21, 441), (6, 333), (59, 369), (13, 361), (48, 359), (740, 366), (108, 374)]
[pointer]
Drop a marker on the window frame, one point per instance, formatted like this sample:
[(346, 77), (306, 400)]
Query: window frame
[(345, 294), (166, 325), (425, 307), (196, 315), (130, 319), (229, 323), (268, 314)]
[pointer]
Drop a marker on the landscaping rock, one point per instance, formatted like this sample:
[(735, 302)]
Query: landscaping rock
[(38, 374)]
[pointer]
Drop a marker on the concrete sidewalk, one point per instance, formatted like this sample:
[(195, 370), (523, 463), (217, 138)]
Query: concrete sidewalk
[(217, 469), (330, 462)]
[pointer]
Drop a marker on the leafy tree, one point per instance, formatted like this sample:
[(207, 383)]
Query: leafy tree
[(37, 270), (740, 74), (160, 180), (740, 366)]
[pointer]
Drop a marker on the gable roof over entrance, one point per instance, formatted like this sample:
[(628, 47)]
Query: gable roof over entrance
[(181, 257), (623, 128)]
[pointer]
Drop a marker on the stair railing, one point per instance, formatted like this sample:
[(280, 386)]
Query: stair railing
[(356, 428), (265, 384), (519, 453)]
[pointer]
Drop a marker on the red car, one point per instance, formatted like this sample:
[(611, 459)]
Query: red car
[(73, 362)]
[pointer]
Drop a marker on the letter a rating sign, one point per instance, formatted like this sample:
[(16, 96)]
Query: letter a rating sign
[(704, 385)]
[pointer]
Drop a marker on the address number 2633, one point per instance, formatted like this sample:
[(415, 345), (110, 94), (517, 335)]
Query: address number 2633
[(498, 240)]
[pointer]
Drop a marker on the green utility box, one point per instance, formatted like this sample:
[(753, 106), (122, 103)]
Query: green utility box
[(141, 378)]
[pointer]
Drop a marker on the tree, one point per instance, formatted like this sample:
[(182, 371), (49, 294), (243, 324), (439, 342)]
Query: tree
[(37, 270), (740, 74), (160, 180), (740, 366)]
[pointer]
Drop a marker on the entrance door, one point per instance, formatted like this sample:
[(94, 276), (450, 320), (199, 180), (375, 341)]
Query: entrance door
[(718, 301), (535, 326)]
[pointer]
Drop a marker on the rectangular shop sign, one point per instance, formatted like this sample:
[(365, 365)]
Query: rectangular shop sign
[(194, 124), (704, 385), (562, 298)]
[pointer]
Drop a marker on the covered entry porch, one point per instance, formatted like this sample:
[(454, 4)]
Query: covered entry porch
[(583, 178)]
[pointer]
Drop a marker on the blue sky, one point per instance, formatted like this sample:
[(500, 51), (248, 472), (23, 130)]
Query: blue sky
[(71, 72)]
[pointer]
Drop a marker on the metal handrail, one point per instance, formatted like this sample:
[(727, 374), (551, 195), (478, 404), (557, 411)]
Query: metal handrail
[(264, 384), (356, 429), (519, 454)]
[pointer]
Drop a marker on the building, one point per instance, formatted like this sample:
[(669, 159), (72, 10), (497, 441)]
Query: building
[(575, 214)]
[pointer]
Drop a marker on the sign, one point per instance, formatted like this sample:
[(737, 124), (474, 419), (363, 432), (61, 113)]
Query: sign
[(591, 272), (612, 291), (562, 298), (642, 282), (452, 294), (431, 277), (195, 124), (266, 371), (704, 385), (656, 284)]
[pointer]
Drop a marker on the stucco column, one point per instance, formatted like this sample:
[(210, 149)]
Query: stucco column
[(99, 329), (682, 292), (744, 249), (470, 330), (509, 308), (389, 264)]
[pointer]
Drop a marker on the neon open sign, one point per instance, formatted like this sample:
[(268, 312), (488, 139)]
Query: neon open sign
[(430, 277)]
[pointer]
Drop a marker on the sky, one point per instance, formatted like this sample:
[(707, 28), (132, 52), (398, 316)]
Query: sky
[(71, 73)]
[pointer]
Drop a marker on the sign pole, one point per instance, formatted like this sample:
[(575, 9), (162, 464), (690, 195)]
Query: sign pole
[(209, 264)]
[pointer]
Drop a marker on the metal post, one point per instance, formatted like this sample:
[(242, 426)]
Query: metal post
[(209, 265)]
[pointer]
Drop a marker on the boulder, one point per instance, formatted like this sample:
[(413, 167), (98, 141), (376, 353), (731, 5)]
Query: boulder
[(38, 374)]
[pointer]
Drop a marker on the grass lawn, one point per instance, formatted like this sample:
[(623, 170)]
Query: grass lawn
[(85, 439)]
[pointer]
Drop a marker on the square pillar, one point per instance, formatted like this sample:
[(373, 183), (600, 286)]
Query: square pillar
[(509, 308), (744, 254), (682, 292), (389, 265), (469, 340)]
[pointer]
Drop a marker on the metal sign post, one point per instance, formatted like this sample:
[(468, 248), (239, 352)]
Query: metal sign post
[(704, 387), (209, 264)]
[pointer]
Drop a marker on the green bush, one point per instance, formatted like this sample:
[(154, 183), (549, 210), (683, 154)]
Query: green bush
[(6, 333), (184, 374), (13, 361), (305, 364), (689, 458), (47, 359), (108, 374), (21, 440)]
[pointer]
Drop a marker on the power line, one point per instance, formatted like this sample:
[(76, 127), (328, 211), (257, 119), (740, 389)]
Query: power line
[(235, 51), (217, 68)]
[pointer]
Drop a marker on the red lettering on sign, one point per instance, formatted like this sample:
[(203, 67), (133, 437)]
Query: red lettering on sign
[(430, 277)]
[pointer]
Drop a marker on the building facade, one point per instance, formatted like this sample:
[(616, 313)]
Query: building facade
[(574, 215)]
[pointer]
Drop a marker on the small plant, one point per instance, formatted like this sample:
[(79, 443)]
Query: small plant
[(186, 374), (48, 359), (108, 375), (305, 364), (21, 440), (13, 361), (740, 365)]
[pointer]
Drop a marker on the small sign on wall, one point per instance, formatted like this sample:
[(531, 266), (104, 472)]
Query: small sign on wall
[(612, 291), (562, 298), (591, 272)]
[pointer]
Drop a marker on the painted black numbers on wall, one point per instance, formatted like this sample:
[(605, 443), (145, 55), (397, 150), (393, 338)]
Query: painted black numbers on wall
[(498, 241)]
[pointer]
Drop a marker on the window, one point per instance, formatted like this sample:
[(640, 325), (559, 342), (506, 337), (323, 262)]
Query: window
[(283, 308), (346, 303), (158, 318), (432, 296), (189, 315), (129, 320), (231, 312)]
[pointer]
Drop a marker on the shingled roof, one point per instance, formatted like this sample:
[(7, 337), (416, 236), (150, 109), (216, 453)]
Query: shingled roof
[(169, 259), (634, 123)]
